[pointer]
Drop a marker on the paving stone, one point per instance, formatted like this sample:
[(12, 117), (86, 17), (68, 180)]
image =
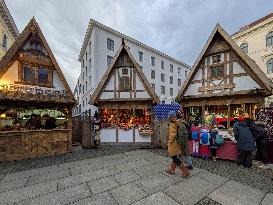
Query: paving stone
[(207, 201), (126, 177), (31, 172), (131, 165), (268, 199), (64, 196), (235, 193), (104, 198), (155, 183), (8, 185), (212, 178), (150, 170), (102, 184), (48, 177), (158, 198), (127, 194), (27, 192), (190, 190), (85, 177)]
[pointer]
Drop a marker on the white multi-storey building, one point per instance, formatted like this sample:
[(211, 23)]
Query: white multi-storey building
[(165, 73)]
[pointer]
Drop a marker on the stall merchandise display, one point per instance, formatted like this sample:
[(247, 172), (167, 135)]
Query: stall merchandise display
[(126, 118)]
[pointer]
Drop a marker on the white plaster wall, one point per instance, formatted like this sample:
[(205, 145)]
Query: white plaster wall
[(124, 94), (107, 95), (198, 75), (57, 83), (11, 75), (237, 68), (193, 89), (142, 95), (110, 85), (139, 84), (244, 83)]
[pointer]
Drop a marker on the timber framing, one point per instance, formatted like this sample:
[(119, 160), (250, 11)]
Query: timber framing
[(236, 54), (135, 70), (12, 54)]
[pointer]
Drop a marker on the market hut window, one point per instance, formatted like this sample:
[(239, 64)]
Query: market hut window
[(124, 80), (217, 71), (36, 75)]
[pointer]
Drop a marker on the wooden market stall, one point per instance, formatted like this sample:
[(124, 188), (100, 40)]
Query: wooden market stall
[(224, 84), (35, 100), (125, 99)]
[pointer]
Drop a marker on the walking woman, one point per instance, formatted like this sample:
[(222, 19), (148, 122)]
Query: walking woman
[(174, 148)]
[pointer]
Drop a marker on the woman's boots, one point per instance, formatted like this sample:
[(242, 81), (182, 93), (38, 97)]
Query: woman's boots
[(171, 170), (184, 171)]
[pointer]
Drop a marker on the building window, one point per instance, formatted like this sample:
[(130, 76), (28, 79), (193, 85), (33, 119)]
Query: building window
[(179, 71), (83, 103), (269, 39), (162, 65), (153, 74), (86, 70), (141, 67), (89, 47), (162, 77), (90, 80), (110, 44), (217, 71), (186, 73), (80, 89), (86, 56), (140, 56), (82, 75), (153, 60), (171, 91), (162, 90), (86, 85), (89, 64), (244, 47), (83, 63), (171, 68), (153, 86), (179, 82), (29, 74), (5, 41), (42, 75), (86, 101), (269, 66), (171, 79), (83, 89), (109, 60)]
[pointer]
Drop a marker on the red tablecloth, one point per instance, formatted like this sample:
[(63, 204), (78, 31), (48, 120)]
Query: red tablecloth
[(228, 150)]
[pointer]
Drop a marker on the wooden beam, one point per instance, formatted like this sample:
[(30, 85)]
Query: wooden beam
[(216, 87)]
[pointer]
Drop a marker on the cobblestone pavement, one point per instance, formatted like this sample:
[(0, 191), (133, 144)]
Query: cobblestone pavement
[(129, 176)]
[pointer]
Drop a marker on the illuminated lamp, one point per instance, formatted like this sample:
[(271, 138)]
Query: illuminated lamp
[(3, 115)]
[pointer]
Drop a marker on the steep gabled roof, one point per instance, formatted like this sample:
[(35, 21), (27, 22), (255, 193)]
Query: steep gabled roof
[(93, 23), (263, 79), (9, 57), (108, 72), (6, 16)]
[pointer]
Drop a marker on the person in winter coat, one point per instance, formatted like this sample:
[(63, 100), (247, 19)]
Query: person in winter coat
[(185, 152), (260, 135), (213, 145), (174, 148), (245, 142)]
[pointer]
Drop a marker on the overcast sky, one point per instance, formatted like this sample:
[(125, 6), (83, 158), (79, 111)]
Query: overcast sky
[(179, 28)]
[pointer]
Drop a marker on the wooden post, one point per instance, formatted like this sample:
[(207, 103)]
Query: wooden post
[(69, 126), (228, 120), (116, 126), (134, 131)]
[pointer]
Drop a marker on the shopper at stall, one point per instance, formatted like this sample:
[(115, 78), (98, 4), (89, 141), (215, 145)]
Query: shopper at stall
[(245, 142), (204, 142), (50, 122), (261, 139), (34, 122), (195, 130), (184, 130), (174, 148), (213, 143)]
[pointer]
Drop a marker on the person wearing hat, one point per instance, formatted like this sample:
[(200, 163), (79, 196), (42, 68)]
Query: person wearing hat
[(174, 148)]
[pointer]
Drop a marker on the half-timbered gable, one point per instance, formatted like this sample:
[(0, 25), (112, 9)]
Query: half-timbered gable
[(223, 69), (124, 81), (30, 72)]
